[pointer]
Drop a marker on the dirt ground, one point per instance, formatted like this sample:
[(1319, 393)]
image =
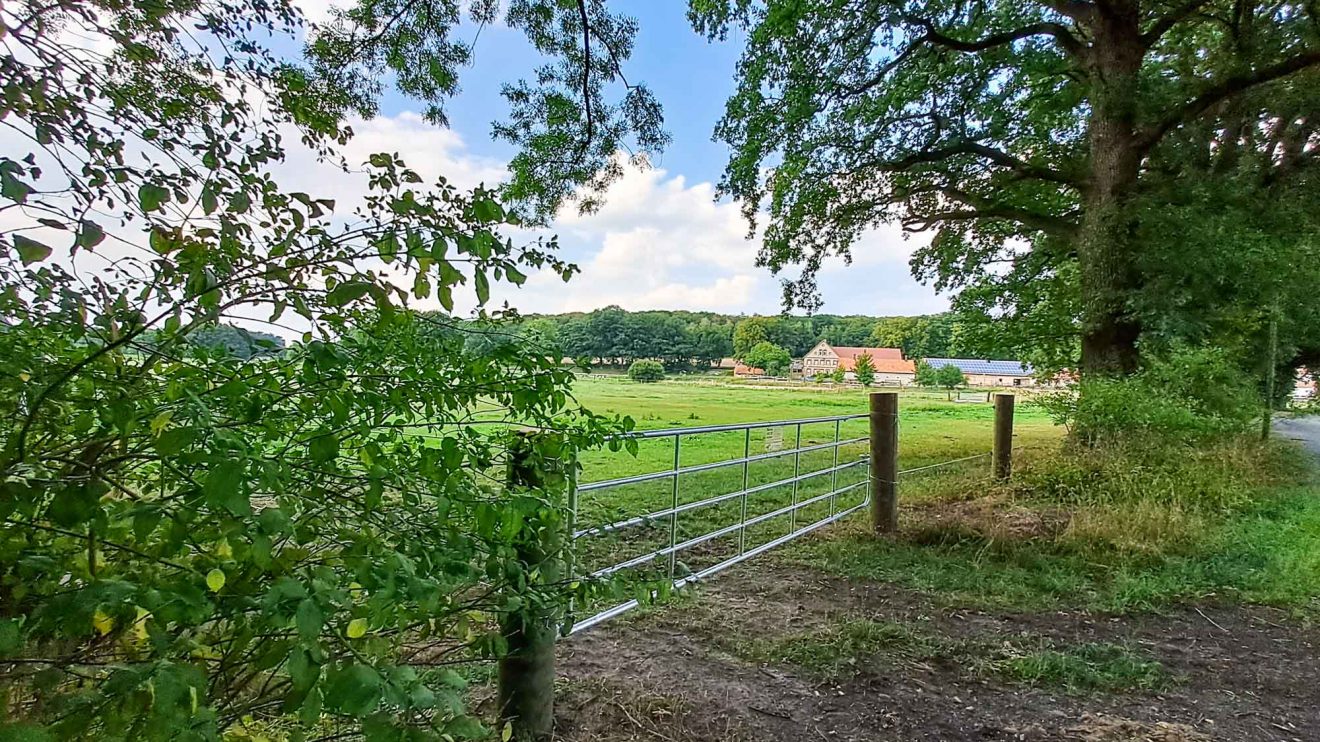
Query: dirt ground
[(1242, 673)]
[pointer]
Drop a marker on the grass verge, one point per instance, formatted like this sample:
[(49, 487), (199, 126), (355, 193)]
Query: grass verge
[(1110, 531)]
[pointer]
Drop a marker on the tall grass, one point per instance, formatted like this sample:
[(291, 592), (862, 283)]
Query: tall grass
[(1113, 527)]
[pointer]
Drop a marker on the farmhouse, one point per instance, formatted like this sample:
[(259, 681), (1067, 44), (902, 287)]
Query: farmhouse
[(989, 373), (890, 366)]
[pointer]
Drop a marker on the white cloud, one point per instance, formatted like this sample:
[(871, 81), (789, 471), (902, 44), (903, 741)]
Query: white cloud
[(657, 243), (431, 151)]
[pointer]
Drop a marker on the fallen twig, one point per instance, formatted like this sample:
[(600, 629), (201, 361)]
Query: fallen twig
[(1211, 620), (768, 712)]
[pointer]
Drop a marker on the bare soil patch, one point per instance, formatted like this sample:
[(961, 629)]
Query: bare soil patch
[(1242, 672)]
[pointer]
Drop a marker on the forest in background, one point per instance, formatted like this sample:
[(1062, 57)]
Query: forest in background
[(683, 339)]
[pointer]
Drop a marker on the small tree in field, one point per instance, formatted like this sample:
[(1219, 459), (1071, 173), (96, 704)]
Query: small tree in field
[(646, 371), (864, 369), (927, 375), (838, 376), (771, 358), (950, 377)]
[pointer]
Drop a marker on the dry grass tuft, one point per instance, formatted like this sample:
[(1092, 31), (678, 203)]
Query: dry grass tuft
[(599, 710)]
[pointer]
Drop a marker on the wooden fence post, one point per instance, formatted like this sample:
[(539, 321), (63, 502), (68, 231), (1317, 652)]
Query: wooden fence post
[(1003, 453), (527, 669), (884, 462)]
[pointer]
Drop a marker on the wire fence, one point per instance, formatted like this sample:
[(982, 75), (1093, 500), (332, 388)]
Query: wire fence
[(755, 486)]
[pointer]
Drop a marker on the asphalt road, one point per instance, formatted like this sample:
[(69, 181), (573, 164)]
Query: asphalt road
[(1304, 429)]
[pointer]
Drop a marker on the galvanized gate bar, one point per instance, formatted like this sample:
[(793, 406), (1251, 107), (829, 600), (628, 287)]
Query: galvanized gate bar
[(662, 514), (670, 473), (671, 551), (669, 432)]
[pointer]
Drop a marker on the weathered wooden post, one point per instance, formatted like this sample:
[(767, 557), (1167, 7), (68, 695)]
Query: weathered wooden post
[(884, 462), (1003, 453), (527, 670)]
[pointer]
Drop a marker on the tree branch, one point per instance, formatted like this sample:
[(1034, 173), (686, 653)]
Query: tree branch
[(978, 149), (1174, 17), (984, 208), (1223, 90), (586, 73), (934, 36)]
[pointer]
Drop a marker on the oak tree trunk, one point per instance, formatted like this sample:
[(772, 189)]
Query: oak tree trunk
[(1109, 275)]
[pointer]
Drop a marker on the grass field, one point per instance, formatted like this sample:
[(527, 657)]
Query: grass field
[(932, 429)]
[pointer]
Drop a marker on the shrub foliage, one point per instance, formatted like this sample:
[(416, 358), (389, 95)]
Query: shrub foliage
[(197, 544), (646, 371)]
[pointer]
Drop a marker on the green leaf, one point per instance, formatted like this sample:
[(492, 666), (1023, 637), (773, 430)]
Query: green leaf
[(324, 447), (11, 187), (152, 196), (357, 628), (90, 234), (22, 731), (215, 579), (75, 504), (225, 487), (487, 210), (303, 670), (11, 636), (164, 241), (388, 247), (483, 287), (354, 690), (174, 440), (29, 250), (346, 292), (209, 201), (308, 619)]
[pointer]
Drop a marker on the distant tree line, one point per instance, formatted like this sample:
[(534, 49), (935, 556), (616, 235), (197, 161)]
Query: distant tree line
[(680, 339)]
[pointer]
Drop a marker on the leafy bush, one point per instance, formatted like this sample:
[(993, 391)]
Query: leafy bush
[(198, 545), (771, 358), (1185, 395), (646, 371)]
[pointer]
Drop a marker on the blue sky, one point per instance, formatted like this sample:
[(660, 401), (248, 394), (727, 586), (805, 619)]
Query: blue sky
[(661, 241)]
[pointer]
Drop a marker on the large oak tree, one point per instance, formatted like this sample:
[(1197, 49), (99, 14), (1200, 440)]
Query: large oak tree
[(1032, 136)]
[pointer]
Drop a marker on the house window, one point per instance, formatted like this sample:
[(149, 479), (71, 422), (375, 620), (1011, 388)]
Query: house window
[(1017, 382)]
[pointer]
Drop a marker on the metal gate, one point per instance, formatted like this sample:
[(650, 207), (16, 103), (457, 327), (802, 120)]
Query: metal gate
[(795, 489)]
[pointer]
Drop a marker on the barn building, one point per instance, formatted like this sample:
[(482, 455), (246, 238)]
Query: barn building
[(989, 373)]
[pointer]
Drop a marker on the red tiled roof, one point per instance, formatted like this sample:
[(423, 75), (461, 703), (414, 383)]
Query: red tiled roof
[(884, 360), (745, 370), (881, 365), (847, 351)]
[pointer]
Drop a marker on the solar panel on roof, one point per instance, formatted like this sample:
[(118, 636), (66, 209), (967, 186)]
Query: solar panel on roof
[(987, 367)]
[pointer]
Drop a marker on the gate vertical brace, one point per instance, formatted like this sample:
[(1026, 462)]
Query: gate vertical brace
[(834, 473), (673, 518), (747, 454)]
